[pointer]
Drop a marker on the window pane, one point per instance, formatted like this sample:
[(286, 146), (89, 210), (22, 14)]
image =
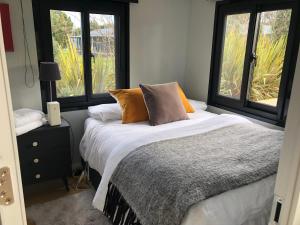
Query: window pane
[(270, 51), (102, 34), (67, 51), (233, 57)]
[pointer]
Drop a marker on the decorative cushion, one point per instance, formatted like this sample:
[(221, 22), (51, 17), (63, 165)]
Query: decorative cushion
[(188, 107), (132, 104), (163, 103)]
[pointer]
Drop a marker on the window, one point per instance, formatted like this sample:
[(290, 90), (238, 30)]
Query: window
[(89, 41), (235, 40), (254, 56), (67, 52)]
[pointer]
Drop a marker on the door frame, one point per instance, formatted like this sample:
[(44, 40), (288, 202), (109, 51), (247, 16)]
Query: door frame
[(287, 186), (9, 157), (295, 207)]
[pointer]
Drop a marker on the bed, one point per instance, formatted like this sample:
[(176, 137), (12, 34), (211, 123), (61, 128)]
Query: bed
[(105, 144)]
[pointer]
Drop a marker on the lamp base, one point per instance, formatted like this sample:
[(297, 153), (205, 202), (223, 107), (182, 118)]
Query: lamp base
[(53, 109)]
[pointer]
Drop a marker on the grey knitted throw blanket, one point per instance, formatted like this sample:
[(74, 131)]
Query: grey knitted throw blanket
[(161, 180)]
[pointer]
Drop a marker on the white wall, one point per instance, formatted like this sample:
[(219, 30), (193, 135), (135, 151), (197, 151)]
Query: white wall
[(158, 40), (199, 49), (21, 95), (158, 28)]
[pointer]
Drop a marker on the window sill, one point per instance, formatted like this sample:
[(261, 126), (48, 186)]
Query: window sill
[(245, 111)]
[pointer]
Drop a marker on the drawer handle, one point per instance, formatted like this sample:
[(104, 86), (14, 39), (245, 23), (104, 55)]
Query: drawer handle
[(36, 161), (37, 176), (35, 144)]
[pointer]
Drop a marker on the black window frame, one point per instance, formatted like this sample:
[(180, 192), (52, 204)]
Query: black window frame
[(274, 115), (42, 22)]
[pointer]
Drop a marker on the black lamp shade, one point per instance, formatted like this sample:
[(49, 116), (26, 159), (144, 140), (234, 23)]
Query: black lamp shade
[(49, 71)]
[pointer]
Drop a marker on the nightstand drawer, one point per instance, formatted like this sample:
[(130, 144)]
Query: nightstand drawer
[(52, 156), (40, 172), (42, 140), (45, 155)]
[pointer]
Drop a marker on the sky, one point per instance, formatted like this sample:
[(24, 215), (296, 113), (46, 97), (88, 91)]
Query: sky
[(101, 19)]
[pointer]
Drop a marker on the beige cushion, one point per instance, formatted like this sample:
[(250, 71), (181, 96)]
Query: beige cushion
[(163, 103)]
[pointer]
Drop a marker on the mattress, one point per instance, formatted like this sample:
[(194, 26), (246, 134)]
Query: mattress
[(104, 145)]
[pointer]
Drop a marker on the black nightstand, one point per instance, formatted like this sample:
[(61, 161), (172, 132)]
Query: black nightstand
[(45, 154)]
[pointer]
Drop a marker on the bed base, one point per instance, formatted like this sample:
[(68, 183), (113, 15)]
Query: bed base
[(116, 209)]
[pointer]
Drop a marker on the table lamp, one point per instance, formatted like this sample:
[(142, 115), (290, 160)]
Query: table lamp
[(49, 71)]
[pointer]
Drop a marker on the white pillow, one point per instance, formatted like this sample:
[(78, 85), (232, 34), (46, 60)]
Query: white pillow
[(105, 112), (198, 105), (113, 111)]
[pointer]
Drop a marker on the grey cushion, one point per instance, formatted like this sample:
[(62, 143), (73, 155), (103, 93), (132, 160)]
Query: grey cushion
[(163, 103)]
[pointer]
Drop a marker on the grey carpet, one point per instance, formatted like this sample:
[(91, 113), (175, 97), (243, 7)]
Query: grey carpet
[(70, 210)]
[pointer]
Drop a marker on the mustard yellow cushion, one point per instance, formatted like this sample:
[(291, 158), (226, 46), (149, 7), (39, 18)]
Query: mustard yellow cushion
[(132, 104), (188, 107), (134, 107)]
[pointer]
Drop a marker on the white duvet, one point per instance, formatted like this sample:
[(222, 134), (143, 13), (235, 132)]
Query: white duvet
[(104, 145)]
